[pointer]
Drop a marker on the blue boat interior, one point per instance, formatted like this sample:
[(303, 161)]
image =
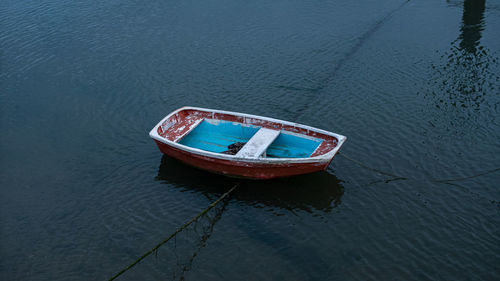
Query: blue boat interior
[(292, 146), (217, 135)]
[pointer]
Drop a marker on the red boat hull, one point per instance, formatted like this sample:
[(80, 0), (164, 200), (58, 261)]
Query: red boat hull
[(241, 169), (254, 163)]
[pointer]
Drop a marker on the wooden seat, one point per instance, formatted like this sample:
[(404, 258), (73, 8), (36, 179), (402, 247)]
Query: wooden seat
[(258, 144)]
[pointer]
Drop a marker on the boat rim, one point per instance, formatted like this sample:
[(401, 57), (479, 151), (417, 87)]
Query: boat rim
[(320, 158)]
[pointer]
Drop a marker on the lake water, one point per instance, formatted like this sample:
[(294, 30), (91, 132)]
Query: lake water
[(414, 85)]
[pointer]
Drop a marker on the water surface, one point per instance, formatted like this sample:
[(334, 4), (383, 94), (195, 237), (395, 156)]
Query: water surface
[(414, 85)]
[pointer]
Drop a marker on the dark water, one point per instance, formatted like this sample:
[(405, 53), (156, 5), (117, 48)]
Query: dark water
[(414, 85)]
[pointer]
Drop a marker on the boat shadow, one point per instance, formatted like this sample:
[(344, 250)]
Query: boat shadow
[(320, 191)]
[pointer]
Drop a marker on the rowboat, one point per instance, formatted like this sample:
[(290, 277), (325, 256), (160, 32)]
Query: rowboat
[(244, 145)]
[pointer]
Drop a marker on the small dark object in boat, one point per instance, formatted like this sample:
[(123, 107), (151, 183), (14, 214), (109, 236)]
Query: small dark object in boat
[(234, 148)]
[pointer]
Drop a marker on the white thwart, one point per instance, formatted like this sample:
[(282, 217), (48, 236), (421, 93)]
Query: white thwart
[(258, 144)]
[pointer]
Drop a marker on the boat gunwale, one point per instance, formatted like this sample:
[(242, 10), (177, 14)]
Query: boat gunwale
[(316, 159)]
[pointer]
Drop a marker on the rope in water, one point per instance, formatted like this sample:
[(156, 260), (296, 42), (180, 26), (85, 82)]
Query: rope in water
[(468, 177), (211, 206), (369, 168), (407, 178)]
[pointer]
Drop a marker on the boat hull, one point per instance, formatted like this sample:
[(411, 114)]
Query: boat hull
[(200, 137), (242, 169)]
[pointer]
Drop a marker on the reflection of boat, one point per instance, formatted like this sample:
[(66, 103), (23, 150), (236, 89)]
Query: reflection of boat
[(320, 191), (259, 147)]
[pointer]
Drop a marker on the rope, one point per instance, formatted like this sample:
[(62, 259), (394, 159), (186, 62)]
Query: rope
[(469, 177), (396, 177), (348, 56), (174, 234), (370, 168), (204, 238)]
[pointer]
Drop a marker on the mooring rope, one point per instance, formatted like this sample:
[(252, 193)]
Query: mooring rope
[(203, 241), (468, 177), (396, 177), (370, 168), (348, 56), (211, 206)]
